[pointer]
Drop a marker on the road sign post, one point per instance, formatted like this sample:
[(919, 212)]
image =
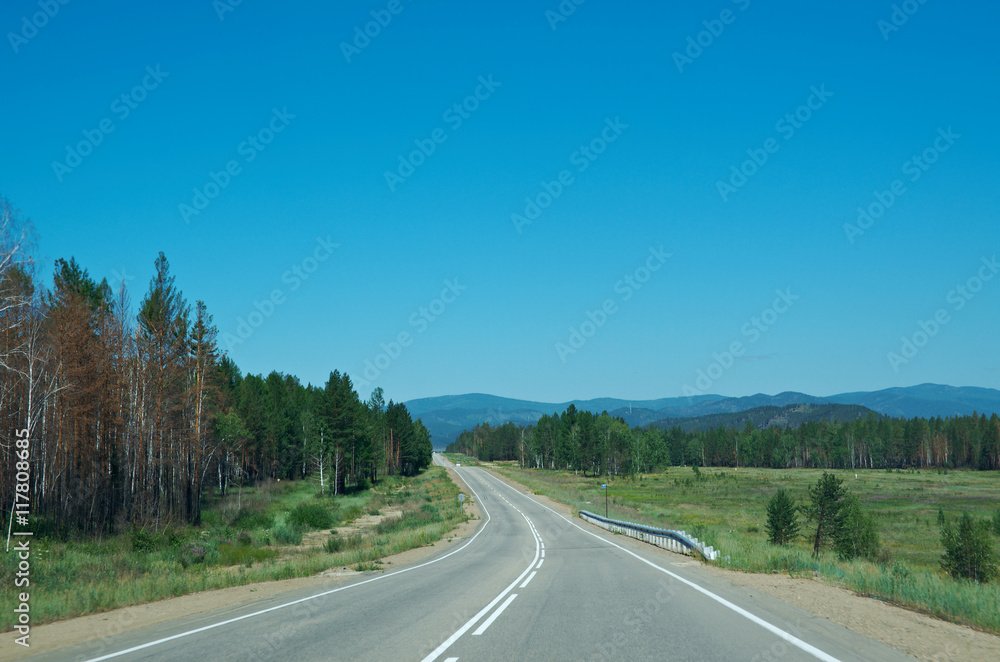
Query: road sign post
[(461, 508), (605, 487)]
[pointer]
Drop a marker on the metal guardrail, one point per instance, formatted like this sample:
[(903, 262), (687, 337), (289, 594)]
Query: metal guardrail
[(675, 541)]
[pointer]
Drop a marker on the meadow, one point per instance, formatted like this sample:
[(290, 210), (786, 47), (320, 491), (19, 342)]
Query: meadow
[(277, 530), (727, 509)]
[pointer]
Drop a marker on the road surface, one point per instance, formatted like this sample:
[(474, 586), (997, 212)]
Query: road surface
[(530, 584)]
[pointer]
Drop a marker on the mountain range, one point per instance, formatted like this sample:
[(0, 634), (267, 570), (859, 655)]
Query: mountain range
[(447, 415)]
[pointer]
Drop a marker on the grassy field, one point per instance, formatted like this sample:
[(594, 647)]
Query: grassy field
[(727, 509), (275, 531)]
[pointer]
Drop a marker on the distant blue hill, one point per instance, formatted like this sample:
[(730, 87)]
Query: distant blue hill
[(447, 415)]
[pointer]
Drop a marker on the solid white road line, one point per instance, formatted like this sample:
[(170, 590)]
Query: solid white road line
[(489, 621), (790, 638), (530, 577), (540, 563), (300, 600)]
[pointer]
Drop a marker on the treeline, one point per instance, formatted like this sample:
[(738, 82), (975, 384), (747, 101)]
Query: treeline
[(602, 444), (131, 418)]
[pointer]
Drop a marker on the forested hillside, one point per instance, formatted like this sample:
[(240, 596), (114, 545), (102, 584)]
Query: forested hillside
[(133, 415), (765, 417), (602, 444)]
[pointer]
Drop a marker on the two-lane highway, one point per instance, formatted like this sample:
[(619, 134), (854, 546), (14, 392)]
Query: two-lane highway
[(530, 584), (599, 596)]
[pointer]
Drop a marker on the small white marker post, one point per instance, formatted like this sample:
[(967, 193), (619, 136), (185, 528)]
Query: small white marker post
[(605, 488)]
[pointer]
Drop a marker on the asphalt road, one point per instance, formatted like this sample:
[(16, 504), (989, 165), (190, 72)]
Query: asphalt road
[(529, 585)]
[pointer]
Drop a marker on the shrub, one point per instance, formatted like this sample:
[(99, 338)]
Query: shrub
[(253, 518), (996, 522), (856, 535), (311, 514), (285, 535), (391, 524), (143, 541), (336, 544), (242, 555), (968, 550), (192, 553), (172, 538)]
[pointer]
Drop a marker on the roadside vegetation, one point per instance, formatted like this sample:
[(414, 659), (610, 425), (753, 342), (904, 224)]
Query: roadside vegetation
[(906, 537), (277, 530)]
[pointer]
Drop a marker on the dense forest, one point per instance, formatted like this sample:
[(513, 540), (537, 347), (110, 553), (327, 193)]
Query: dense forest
[(133, 416), (602, 444)]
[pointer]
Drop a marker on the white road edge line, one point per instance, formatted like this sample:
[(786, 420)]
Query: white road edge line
[(181, 635), (489, 621), (790, 638), (530, 577), (436, 653)]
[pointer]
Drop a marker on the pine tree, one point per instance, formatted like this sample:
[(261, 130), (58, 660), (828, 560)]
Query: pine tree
[(856, 533), (423, 448), (968, 550), (825, 501), (162, 342), (402, 431), (377, 432), (203, 369), (782, 524)]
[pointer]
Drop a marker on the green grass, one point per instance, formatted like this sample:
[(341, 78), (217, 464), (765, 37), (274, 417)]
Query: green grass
[(726, 508), (245, 538)]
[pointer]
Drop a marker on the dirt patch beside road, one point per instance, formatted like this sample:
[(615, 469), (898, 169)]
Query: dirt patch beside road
[(918, 635)]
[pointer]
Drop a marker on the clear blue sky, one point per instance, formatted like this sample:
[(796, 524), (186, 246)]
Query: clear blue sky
[(552, 91)]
